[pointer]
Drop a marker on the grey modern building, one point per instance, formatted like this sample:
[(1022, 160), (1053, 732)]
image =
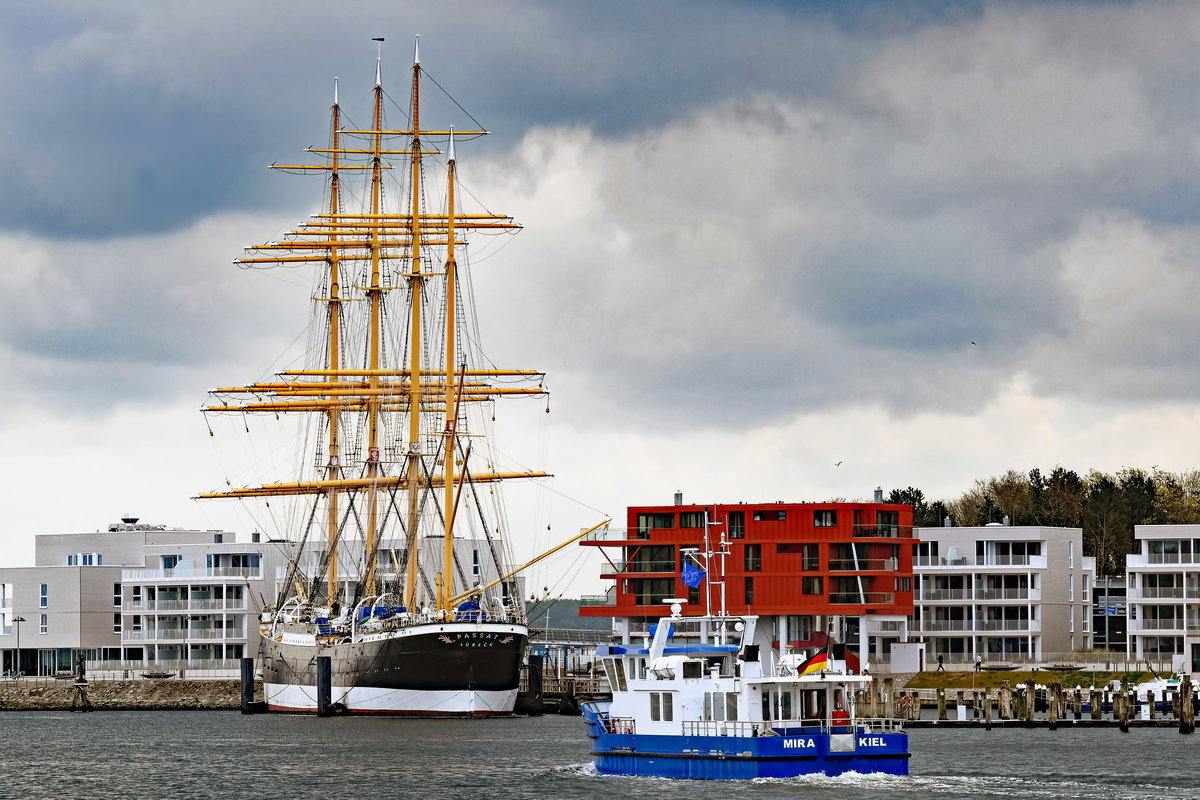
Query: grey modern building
[(133, 595), (997, 591), (1163, 583)]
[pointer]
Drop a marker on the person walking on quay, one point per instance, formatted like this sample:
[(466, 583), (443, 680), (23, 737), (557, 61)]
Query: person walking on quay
[(940, 667)]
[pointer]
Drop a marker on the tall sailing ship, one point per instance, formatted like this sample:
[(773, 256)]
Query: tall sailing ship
[(397, 571)]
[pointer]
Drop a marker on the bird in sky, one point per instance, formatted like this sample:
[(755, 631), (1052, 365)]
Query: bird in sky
[(838, 464)]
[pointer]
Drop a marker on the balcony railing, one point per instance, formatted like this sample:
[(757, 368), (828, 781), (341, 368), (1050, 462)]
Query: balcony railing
[(946, 594), (862, 565), (639, 566), (190, 573), (938, 625), (1157, 624), (972, 562), (594, 600), (1001, 594), (183, 635), (1162, 592), (228, 604), (610, 535), (883, 531), (1024, 625), (862, 598)]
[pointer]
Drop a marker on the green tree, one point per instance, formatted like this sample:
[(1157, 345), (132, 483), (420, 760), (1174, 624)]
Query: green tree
[(1105, 521)]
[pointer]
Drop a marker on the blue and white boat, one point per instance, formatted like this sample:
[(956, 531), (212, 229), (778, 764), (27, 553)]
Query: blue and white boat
[(710, 697)]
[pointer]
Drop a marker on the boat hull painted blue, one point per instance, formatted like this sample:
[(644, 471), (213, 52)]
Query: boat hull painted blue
[(739, 757)]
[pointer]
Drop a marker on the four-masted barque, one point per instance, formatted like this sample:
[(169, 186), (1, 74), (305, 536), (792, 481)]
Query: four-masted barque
[(398, 567)]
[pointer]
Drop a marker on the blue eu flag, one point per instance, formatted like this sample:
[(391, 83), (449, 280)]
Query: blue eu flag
[(692, 575)]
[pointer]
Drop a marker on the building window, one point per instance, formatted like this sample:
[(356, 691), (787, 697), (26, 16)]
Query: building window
[(693, 595), (116, 595), (902, 584), (749, 591), (1071, 555), (691, 519), (811, 585), (117, 623), (737, 524), (649, 522), (89, 559), (812, 559), (474, 562), (218, 538), (169, 562), (137, 622), (72, 560), (769, 515), (43, 623), (753, 557), (43, 597), (99, 559), (1086, 585), (826, 518), (1070, 590)]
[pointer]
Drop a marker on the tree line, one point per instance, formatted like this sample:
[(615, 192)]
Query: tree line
[(1105, 506)]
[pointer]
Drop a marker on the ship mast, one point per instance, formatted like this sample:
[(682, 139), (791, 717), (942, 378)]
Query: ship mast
[(451, 449), (333, 414), (414, 343), (375, 300)]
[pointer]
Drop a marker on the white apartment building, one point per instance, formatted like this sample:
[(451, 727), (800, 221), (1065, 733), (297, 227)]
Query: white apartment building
[(998, 591), (1163, 588)]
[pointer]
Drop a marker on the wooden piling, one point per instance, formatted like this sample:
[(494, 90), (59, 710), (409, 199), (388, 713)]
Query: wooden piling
[(324, 685), (1187, 709), (1052, 692), (1096, 700), (1030, 701), (987, 711), (889, 707), (1150, 703), (941, 703), (1125, 705), (1005, 700), (1078, 703)]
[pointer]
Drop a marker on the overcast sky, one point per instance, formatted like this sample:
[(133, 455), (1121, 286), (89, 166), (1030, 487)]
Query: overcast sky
[(930, 241)]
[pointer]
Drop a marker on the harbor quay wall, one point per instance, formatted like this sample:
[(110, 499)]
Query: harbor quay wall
[(135, 694)]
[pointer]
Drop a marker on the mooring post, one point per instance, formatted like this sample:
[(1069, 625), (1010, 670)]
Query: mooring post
[(1096, 701), (941, 704), (1125, 704), (1052, 704), (1005, 700), (987, 711), (247, 684), (1187, 708), (324, 685), (888, 706), (1150, 703)]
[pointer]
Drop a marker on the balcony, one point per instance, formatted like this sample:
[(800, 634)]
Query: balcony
[(941, 625), (863, 531), (862, 565), (176, 635), (971, 563), (639, 566), (612, 535), (173, 606), (945, 594), (1002, 594), (862, 598), (189, 574), (1015, 625), (1161, 593), (1171, 625)]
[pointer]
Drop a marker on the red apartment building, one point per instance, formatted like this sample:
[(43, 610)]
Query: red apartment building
[(811, 569)]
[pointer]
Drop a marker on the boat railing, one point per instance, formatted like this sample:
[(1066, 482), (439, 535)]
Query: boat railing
[(703, 727), (619, 724)]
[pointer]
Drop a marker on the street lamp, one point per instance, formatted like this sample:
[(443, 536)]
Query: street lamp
[(17, 658)]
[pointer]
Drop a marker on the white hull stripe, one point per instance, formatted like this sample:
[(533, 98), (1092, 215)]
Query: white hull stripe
[(369, 700)]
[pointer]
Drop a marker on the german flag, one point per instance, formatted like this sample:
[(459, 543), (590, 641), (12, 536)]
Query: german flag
[(815, 664)]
